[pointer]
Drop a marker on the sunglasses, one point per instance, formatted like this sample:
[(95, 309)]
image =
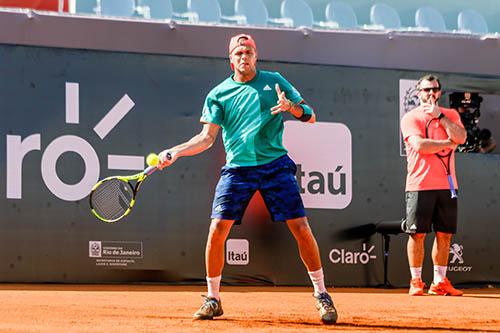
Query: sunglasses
[(430, 89)]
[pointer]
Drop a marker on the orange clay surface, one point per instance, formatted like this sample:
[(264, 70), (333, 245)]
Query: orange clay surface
[(159, 308)]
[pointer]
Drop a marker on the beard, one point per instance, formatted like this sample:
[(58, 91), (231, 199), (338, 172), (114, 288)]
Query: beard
[(429, 99)]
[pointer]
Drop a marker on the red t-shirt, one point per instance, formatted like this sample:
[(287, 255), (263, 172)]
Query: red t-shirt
[(425, 171)]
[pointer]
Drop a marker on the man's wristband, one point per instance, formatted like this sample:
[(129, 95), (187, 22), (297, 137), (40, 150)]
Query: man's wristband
[(308, 112), (305, 117), (441, 115)]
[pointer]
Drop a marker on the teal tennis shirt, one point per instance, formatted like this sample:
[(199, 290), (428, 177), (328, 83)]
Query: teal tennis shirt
[(251, 134)]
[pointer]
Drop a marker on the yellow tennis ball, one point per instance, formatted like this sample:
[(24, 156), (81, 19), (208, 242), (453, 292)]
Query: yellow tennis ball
[(152, 159)]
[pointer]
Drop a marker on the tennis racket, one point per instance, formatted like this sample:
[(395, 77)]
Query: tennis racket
[(434, 130), (113, 198)]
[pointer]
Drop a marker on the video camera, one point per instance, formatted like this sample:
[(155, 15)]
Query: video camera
[(468, 105)]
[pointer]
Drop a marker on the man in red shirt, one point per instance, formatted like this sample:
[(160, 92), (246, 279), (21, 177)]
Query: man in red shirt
[(429, 205)]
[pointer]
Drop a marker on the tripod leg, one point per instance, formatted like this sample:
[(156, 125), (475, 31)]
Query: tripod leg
[(387, 241)]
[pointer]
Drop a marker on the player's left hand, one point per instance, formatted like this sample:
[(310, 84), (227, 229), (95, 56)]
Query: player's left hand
[(453, 145), (283, 104)]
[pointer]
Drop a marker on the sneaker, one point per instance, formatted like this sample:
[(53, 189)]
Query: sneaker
[(326, 309), (444, 288), (416, 287), (210, 308)]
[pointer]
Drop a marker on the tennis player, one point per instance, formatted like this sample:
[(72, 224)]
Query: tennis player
[(429, 205), (248, 106)]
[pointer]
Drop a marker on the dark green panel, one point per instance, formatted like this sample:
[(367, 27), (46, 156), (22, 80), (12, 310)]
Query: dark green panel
[(45, 238)]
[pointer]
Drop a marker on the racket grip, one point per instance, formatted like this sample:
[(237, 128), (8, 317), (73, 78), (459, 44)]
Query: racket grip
[(452, 188), (150, 170)]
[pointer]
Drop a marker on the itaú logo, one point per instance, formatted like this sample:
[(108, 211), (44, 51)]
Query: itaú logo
[(18, 148), (322, 152), (237, 252), (342, 256)]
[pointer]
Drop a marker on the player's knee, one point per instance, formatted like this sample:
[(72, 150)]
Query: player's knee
[(443, 236), (216, 226), (300, 227), (419, 238), (219, 229)]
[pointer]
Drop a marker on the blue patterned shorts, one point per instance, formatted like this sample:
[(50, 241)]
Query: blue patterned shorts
[(276, 183)]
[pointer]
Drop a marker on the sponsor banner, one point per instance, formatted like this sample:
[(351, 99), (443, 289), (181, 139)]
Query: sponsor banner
[(115, 253), (343, 256), (237, 252), (64, 127), (323, 154), (408, 100), (457, 262), (18, 147)]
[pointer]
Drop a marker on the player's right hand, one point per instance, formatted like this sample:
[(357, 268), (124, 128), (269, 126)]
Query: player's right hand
[(167, 158), (431, 108)]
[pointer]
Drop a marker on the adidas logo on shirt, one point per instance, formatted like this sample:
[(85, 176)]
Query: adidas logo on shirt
[(266, 88)]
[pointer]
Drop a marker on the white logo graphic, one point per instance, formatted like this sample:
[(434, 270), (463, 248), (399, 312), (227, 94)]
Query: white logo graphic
[(457, 259), (322, 152), (116, 254), (408, 100), (95, 249), (237, 252), (267, 88), (18, 148), (457, 251), (341, 256)]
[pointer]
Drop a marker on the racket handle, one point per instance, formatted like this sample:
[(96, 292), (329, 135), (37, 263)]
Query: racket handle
[(150, 170), (452, 188)]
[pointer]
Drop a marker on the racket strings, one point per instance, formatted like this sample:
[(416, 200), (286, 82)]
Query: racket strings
[(112, 199), (434, 130)]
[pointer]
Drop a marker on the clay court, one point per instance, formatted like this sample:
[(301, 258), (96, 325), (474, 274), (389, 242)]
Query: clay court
[(159, 308)]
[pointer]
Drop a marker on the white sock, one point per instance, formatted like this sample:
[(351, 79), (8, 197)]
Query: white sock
[(213, 284), (318, 281), (439, 273), (416, 272)]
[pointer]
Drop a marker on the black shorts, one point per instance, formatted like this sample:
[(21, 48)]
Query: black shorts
[(428, 211)]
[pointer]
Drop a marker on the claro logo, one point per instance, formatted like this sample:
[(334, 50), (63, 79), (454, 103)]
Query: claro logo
[(18, 148), (343, 256), (322, 152)]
